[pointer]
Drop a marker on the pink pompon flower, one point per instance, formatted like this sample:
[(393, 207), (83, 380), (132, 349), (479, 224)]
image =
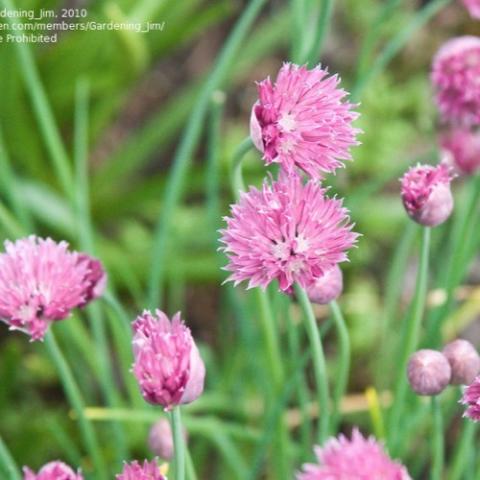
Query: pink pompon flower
[(456, 80), (41, 281), (426, 194), (471, 399), (52, 471), (136, 471), (286, 231), (356, 459), (302, 121), (461, 148), (473, 7), (168, 366)]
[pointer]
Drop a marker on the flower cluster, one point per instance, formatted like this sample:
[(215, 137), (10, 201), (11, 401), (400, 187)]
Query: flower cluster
[(357, 458), (290, 230), (41, 281), (430, 372)]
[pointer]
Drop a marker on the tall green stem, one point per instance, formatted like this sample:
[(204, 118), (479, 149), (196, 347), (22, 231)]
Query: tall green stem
[(179, 444), (74, 396), (438, 446), (7, 462), (463, 450), (319, 363), (411, 334), (186, 149), (324, 16), (343, 363), (42, 110)]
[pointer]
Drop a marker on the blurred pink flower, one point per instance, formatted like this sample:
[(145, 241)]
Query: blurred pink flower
[(302, 121), (464, 361), (356, 459), (471, 398), (461, 146), (456, 79), (52, 471), (473, 7), (135, 471), (286, 231), (168, 366), (41, 281), (426, 194)]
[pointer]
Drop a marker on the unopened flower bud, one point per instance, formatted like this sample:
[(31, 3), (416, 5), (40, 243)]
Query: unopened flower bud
[(428, 372), (464, 361), (168, 366), (326, 288), (461, 149), (426, 194), (160, 439)]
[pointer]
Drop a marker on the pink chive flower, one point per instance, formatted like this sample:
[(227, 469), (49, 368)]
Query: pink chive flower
[(461, 147), (302, 121), (356, 459), (136, 471), (287, 231), (52, 471), (456, 80), (471, 399), (473, 7), (41, 281), (426, 194), (168, 366)]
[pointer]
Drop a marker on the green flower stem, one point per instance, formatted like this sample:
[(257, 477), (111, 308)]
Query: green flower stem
[(302, 388), (395, 45), (42, 110), (8, 463), (10, 187), (368, 45), (410, 336), (191, 473), (341, 381), (75, 398), (393, 289), (298, 14), (271, 338), (324, 16), (319, 364), (179, 444), (187, 146), (438, 446), (463, 450)]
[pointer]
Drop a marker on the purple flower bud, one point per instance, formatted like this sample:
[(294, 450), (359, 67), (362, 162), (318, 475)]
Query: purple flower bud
[(464, 361), (426, 194), (326, 288), (168, 366), (52, 471), (428, 372)]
